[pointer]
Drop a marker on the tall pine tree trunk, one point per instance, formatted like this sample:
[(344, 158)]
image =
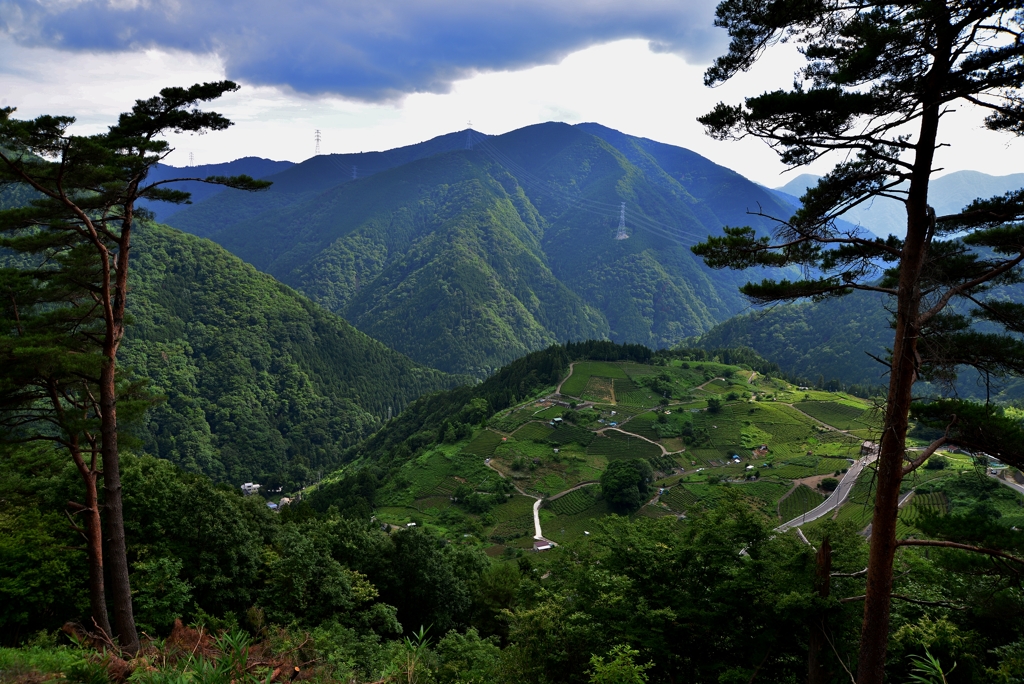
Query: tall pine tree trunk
[(116, 547), (92, 532), (878, 595), (817, 672)]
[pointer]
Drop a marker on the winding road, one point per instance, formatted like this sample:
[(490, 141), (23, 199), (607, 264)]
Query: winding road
[(835, 499)]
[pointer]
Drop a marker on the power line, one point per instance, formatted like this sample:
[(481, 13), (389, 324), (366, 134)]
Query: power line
[(529, 181), (621, 235)]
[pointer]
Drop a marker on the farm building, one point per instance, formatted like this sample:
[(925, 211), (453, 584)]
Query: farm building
[(541, 545)]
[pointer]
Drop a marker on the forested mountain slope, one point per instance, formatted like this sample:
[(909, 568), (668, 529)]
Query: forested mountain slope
[(300, 182), (829, 341), (467, 259), (259, 381)]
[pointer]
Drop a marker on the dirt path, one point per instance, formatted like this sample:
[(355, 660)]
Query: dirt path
[(708, 382), (558, 390), (538, 533), (581, 485)]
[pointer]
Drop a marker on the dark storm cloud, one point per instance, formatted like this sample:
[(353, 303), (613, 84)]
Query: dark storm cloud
[(366, 49)]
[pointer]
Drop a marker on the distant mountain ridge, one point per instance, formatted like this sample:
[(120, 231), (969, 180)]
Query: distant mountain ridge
[(257, 167), (948, 194), (467, 259)]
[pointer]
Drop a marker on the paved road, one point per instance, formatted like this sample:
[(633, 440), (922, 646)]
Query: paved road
[(1012, 485), (837, 497)]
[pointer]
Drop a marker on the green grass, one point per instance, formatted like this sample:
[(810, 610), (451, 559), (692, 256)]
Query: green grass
[(806, 466), (43, 664), (802, 499), (615, 445), (643, 398), (508, 422), (569, 433)]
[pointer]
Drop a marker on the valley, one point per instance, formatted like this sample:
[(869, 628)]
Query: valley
[(713, 433)]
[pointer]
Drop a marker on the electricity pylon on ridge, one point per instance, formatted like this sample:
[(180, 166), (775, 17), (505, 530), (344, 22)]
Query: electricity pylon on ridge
[(621, 235), (469, 135), (317, 136)]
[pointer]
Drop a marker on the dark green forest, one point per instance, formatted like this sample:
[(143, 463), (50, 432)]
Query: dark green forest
[(256, 380)]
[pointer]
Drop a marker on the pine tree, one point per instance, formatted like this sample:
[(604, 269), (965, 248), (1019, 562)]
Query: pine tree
[(76, 233), (878, 82)]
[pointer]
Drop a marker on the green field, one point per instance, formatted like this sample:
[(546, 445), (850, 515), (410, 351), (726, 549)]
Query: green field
[(680, 498), (570, 527), (802, 499), (537, 432), (546, 460), (614, 445), (845, 416), (582, 372), (483, 444), (768, 493), (576, 502)]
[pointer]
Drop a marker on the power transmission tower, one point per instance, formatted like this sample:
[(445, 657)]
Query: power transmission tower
[(191, 159), (469, 135), (621, 235), (317, 136)]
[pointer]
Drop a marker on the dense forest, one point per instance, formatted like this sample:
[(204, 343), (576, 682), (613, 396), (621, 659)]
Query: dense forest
[(256, 381)]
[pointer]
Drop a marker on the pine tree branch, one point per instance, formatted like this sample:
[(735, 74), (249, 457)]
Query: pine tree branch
[(995, 553), (929, 450), (908, 599), (967, 286)]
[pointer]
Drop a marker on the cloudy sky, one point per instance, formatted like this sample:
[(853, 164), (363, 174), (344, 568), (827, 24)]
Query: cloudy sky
[(376, 74)]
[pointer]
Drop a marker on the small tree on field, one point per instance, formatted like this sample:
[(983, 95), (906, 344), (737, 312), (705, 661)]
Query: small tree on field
[(880, 78), (64, 316)]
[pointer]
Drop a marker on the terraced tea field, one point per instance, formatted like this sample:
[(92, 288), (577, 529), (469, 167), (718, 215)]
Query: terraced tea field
[(616, 445), (584, 370), (545, 461), (802, 499), (484, 444), (565, 528), (841, 415), (576, 501)]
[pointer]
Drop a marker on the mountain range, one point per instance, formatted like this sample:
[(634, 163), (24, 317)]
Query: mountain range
[(465, 259), (948, 194)]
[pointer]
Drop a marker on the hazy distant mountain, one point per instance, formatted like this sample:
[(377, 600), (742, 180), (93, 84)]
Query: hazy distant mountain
[(948, 194), (257, 167), (832, 340), (467, 259)]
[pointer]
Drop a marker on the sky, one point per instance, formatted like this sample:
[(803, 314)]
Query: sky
[(378, 74)]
